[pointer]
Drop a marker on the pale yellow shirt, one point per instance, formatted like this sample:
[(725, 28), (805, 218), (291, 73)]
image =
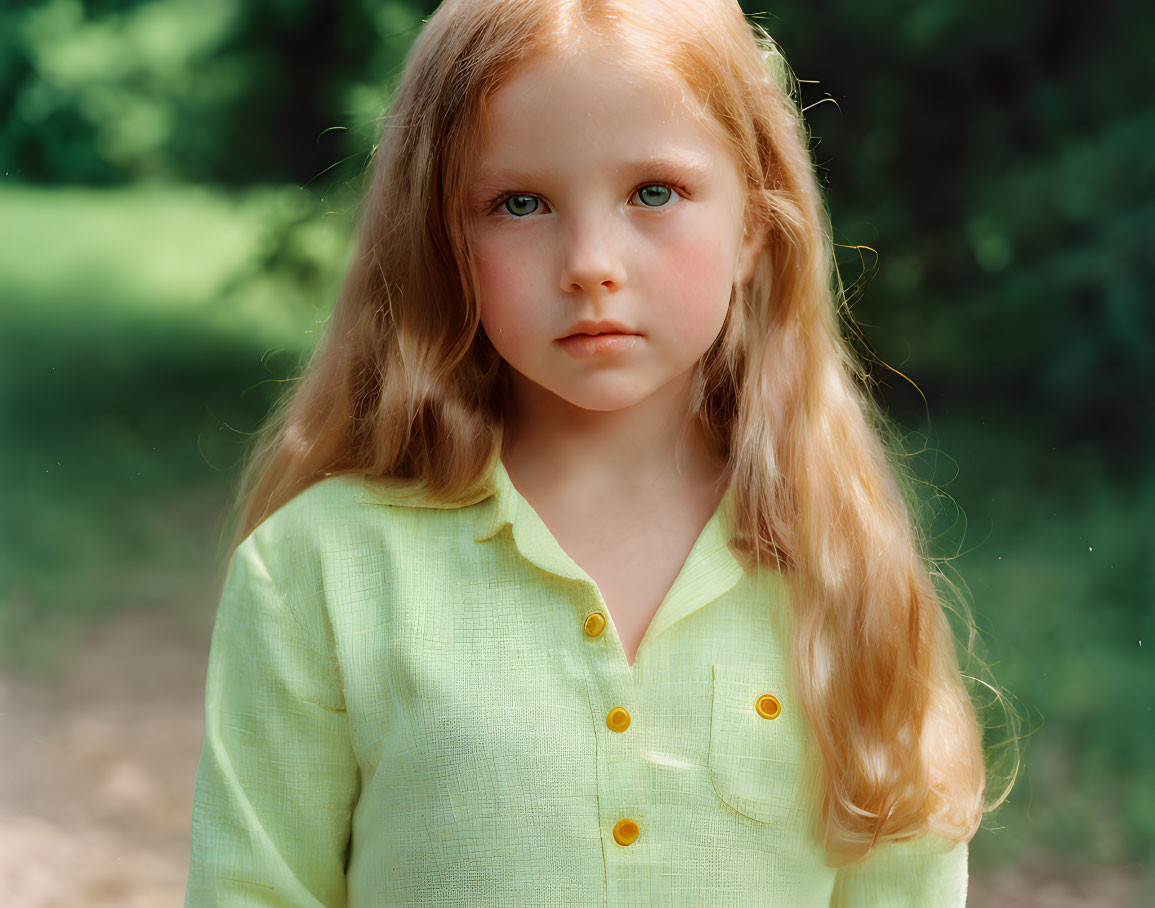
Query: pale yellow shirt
[(409, 704)]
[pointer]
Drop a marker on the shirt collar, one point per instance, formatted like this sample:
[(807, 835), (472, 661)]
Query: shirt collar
[(499, 504), (709, 571), (503, 510)]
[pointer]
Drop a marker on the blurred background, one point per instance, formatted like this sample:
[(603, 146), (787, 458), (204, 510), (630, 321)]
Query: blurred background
[(178, 181)]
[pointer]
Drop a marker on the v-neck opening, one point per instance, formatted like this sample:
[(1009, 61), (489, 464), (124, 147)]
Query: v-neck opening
[(707, 572)]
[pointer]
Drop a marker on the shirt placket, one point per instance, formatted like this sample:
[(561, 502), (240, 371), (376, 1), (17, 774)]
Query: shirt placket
[(631, 846)]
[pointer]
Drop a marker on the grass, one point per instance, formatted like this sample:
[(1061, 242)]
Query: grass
[(141, 342)]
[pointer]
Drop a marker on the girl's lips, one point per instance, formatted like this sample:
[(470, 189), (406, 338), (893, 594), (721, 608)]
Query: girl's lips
[(586, 345)]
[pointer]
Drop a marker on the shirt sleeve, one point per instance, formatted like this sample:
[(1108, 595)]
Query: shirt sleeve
[(277, 780), (927, 872)]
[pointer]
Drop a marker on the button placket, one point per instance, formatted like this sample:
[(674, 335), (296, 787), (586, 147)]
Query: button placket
[(626, 829), (620, 779)]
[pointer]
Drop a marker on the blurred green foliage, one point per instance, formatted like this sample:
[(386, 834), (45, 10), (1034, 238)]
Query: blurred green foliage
[(179, 179), (995, 157), (218, 91)]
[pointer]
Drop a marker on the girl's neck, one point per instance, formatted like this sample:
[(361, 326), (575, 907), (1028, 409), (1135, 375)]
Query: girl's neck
[(634, 453)]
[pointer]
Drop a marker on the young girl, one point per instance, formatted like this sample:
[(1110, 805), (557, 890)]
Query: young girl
[(574, 570)]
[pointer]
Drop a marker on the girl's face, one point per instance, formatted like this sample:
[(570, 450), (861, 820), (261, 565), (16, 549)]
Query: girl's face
[(600, 196)]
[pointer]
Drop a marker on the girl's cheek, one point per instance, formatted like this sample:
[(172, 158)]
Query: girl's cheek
[(503, 284), (495, 265), (698, 285)]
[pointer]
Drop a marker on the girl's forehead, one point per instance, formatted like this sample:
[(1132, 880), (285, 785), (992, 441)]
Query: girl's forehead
[(594, 76), (620, 106)]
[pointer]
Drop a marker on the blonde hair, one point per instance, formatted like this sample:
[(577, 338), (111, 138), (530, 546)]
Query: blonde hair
[(404, 384)]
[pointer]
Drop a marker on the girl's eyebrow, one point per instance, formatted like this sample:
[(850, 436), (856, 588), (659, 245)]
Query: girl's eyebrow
[(686, 164)]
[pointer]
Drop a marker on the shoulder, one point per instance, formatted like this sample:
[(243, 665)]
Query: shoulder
[(334, 510), (346, 532), (345, 493)]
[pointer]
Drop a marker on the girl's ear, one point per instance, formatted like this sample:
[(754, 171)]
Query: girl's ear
[(748, 252)]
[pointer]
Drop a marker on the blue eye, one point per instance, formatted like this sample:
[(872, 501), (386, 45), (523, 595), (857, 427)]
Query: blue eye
[(655, 193), (516, 201)]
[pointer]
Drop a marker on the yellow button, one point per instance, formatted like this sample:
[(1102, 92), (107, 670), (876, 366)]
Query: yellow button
[(618, 719), (625, 832), (595, 623), (768, 706)]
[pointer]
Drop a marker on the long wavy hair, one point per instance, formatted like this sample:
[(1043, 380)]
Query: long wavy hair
[(404, 384)]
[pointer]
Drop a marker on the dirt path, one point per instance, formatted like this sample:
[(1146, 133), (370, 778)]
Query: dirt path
[(98, 771), (97, 780)]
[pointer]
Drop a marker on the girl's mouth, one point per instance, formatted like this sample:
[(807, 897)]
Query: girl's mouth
[(586, 345)]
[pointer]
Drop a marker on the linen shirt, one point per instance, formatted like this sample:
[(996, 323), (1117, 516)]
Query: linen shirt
[(408, 703)]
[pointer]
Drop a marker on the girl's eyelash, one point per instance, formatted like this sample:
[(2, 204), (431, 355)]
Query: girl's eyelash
[(500, 198)]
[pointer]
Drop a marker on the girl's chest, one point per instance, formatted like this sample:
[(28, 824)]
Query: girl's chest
[(487, 720)]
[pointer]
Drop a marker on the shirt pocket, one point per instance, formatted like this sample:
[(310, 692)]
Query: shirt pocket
[(756, 760)]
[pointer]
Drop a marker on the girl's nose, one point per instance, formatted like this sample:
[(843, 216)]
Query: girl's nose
[(591, 258)]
